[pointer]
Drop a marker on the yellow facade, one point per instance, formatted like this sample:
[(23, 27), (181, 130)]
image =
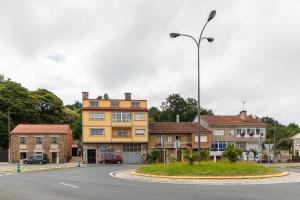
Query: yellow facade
[(114, 130)]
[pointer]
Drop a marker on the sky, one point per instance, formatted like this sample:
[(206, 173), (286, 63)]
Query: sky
[(70, 46)]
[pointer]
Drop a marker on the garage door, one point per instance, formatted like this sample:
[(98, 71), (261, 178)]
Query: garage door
[(131, 154)]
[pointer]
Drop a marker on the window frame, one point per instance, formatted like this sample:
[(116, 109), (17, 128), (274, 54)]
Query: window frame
[(55, 140), (135, 102), (41, 140), (97, 119), (139, 119), (120, 133), (101, 130), (22, 137), (91, 102), (144, 132), (120, 116), (115, 102)]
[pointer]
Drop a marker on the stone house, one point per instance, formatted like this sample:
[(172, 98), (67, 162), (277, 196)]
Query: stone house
[(169, 132), (55, 140)]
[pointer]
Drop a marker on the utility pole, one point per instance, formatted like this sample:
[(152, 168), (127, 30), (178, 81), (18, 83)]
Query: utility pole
[(274, 148), (9, 138)]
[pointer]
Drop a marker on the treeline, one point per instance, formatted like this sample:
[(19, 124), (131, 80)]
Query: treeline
[(39, 106), (175, 104)]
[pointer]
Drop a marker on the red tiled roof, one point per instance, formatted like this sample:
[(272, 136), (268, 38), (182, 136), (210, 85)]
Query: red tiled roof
[(230, 120), (174, 127), (41, 129)]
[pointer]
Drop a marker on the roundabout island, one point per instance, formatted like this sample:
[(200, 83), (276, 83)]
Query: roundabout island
[(209, 173)]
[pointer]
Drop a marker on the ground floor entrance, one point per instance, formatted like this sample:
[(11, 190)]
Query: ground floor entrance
[(54, 157), (91, 156), (131, 154)]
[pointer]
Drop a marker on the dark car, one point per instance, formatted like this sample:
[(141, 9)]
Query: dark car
[(37, 159), (112, 160)]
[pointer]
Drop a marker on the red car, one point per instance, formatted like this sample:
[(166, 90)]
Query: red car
[(112, 160)]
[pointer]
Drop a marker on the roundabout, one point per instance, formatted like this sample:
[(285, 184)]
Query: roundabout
[(284, 177)]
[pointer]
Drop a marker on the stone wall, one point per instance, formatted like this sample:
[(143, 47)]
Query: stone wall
[(30, 148)]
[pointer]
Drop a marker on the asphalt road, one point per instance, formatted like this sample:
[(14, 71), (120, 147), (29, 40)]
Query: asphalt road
[(94, 182)]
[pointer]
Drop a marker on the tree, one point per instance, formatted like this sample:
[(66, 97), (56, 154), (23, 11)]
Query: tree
[(188, 156), (74, 106), (231, 153), (153, 156), (175, 104), (205, 154)]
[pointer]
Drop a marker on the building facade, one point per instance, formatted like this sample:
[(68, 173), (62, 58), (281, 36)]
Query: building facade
[(243, 131), (113, 127), (53, 140), (296, 144), (168, 132)]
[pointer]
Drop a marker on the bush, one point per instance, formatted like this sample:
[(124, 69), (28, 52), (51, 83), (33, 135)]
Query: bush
[(188, 156), (205, 154), (231, 153), (153, 156)]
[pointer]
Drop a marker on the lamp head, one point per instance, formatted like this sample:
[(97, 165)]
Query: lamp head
[(174, 35), (212, 14), (210, 39)]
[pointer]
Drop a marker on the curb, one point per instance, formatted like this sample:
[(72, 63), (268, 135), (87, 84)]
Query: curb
[(211, 177), (38, 169)]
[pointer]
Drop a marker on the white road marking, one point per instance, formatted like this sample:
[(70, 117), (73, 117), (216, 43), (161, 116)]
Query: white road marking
[(0, 175), (73, 186), (8, 174)]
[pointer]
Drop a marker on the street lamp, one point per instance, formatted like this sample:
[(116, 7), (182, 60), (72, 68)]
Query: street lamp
[(209, 39)]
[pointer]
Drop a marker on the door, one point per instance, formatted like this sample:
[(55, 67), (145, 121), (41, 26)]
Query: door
[(54, 157), (91, 156), (4, 156), (131, 154)]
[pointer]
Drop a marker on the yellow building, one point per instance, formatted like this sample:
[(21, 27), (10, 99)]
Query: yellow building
[(114, 127)]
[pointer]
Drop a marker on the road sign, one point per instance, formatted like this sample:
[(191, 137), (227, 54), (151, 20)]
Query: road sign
[(268, 146), (177, 144)]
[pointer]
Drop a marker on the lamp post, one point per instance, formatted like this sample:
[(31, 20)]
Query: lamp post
[(209, 39)]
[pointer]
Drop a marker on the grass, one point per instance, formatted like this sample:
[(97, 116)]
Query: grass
[(207, 169)]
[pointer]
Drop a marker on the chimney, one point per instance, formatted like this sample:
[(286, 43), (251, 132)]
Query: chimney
[(85, 95), (243, 115), (177, 118), (127, 96)]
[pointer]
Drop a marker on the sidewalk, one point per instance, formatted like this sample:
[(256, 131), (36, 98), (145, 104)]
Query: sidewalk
[(12, 168), (283, 165)]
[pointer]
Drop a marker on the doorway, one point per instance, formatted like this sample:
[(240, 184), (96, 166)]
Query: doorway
[(91, 156), (54, 157)]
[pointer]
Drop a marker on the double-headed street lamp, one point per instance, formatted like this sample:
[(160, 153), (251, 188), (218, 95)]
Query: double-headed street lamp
[(209, 39)]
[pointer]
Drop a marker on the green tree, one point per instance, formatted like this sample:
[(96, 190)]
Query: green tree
[(205, 154), (231, 153), (188, 156)]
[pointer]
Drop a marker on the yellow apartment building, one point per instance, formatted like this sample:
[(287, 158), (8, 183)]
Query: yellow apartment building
[(114, 127)]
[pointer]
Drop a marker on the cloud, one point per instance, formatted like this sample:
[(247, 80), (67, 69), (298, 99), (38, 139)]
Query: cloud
[(117, 46)]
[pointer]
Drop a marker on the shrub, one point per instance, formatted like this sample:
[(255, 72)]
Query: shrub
[(153, 156), (205, 154), (188, 156), (231, 153)]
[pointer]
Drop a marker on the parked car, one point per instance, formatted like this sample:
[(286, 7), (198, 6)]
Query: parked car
[(37, 159), (112, 160)]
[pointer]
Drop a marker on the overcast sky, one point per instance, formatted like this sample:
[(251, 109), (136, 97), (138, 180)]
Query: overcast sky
[(70, 46)]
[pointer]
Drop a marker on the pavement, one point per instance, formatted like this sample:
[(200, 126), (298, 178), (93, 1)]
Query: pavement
[(12, 168), (94, 182)]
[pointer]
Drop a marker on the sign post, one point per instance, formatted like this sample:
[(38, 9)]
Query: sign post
[(162, 142), (176, 146), (269, 147)]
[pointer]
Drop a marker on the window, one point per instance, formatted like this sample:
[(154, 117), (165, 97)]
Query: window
[(297, 142), (96, 116), (251, 131), (121, 117), (202, 138), (139, 116), (38, 140), (135, 104), (115, 104), (93, 103), (122, 133), (219, 132), (97, 131), (139, 132), (241, 132), (231, 131), (53, 140), (178, 138), (23, 140), (170, 139), (218, 146), (23, 155)]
